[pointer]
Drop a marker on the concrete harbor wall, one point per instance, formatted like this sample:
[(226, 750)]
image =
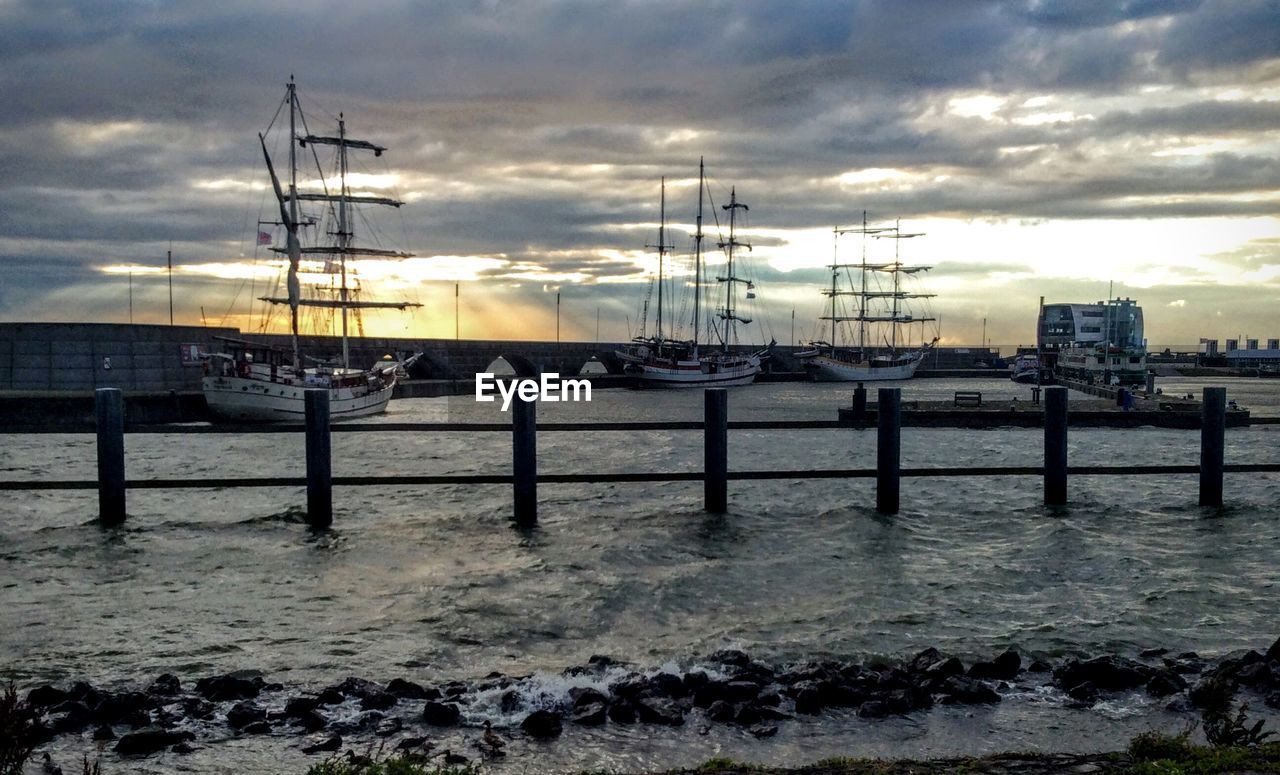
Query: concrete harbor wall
[(60, 357), (84, 356)]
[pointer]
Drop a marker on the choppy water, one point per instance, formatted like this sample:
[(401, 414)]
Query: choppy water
[(433, 584)]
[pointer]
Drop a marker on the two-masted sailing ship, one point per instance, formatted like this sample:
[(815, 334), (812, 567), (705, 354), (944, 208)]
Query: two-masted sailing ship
[(882, 311), (663, 360), (252, 381)]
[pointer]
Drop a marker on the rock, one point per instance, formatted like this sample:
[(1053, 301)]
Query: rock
[(441, 714), (1039, 666), (964, 690), (590, 714), (728, 691), (1273, 700), (922, 661), (144, 742), (944, 668), (1086, 693), (1214, 689), (331, 696), (312, 721), (1165, 682), (387, 727), (695, 680), (721, 711), (764, 730), (183, 748), (601, 660), (329, 744), (1273, 653), (1255, 674), (75, 716), (229, 687), (585, 695), (747, 715), (104, 732), (453, 689), (511, 701), (733, 657), (257, 728), (808, 699), (166, 685), (243, 714), (655, 710), (377, 700), (542, 725), (195, 707), (666, 685), (1110, 673), (408, 690), (47, 696), (1003, 668), (124, 708), (299, 706), (622, 712), (1153, 653)]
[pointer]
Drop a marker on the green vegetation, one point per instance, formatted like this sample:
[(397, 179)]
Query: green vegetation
[(19, 729)]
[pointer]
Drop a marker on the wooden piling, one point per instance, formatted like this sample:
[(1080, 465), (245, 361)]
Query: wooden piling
[(1055, 446), (859, 404), (716, 450), (108, 408), (888, 449), (524, 462), (1213, 425), (319, 459)]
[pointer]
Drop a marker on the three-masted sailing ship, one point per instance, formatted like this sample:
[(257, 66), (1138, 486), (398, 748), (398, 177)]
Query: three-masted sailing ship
[(877, 355), (253, 381), (662, 360)]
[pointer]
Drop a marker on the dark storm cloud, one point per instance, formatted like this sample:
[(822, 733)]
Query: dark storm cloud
[(119, 116)]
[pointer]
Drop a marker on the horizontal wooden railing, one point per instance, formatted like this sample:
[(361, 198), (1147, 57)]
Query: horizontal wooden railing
[(524, 478)]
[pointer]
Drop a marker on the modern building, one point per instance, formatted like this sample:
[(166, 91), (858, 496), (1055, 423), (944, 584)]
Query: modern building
[(1099, 342)]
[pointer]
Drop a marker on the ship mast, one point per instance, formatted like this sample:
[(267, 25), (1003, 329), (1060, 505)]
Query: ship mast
[(345, 246), (291, 227), (697, 264), (727, 315), (662, 247)]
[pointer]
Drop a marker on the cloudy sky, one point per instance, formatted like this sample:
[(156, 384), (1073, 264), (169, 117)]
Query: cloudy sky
[(1044, 148)]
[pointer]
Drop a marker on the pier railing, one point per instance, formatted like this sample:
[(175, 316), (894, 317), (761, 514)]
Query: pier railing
[(319, 480)]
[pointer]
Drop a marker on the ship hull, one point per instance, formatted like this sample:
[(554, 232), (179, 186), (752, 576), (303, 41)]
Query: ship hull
[(824, 368), (691, 373), (240, 398)]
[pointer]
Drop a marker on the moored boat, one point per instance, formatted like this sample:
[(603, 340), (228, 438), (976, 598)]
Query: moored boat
[(255, 382), (880, 313), (663, 361)]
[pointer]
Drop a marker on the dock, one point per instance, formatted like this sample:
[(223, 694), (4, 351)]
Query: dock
[(1105, 411)]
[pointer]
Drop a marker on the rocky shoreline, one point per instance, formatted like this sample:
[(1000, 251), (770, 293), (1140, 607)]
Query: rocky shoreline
[(728, 687)]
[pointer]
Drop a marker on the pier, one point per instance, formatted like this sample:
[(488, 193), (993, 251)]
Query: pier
[(1055, 418)]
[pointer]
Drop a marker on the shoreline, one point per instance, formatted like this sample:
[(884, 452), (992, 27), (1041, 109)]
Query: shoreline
[(172, 717)]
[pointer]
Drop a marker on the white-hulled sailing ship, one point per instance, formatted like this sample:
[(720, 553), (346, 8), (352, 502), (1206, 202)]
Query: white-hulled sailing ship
[(881, 350), (255, 382), (664, 361)]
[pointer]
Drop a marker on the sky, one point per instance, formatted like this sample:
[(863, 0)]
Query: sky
[(1044, 149)]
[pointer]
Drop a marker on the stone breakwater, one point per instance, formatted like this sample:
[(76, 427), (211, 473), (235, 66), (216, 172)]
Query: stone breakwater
[(728, 687)]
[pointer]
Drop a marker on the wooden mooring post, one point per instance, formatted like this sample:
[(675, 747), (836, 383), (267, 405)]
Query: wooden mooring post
[(888, 449), (1213, 425), (319, 459), (524, 461), (1055, 446), (716, 450), (108, 409)]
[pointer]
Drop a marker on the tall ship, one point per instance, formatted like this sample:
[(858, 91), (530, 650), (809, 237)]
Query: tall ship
[(880, 348), (663, 360), (1100, 343), (250, 381)]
